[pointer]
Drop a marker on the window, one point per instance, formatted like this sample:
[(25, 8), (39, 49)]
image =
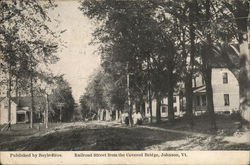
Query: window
[(164, 109), (226, 100), (225, 78), (198, 102), (204, 100), (175, 109), (147, 109), (174, 99)]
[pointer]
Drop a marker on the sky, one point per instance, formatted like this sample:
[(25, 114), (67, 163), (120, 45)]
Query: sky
[(78, 59)]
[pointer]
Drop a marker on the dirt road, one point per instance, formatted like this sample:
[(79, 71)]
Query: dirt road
[(97, 135)]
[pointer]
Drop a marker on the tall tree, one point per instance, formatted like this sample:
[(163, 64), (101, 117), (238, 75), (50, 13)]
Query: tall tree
[(240, 9), (62, 101), (207, 63), (122, 35), (30, 47)]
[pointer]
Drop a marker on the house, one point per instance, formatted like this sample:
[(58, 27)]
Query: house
[(20, 109), (177, 104), (225, 92), (4, 111), (23, 109), (225, 95)]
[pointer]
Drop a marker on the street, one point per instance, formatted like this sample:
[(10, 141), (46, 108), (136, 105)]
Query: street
[(101, 135)]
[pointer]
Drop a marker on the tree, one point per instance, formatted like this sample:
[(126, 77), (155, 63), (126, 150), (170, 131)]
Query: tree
[(206, 67), (62, 96), (84, 106), (174, 43), (131, 34), (241, 13), (122, 35), (190, 66), (216, 44), (25, 47)]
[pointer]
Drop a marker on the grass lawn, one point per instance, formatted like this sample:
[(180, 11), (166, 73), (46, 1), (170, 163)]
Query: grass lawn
[(114, 136), (227, 136), (22, 131)]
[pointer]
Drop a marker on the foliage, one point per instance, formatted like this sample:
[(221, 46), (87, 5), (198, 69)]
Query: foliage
[(161, 43), (62, 94)]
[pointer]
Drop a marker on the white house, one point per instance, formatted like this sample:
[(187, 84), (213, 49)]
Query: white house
[(20, 110), (4, 113), (178, 104), (225, 92)]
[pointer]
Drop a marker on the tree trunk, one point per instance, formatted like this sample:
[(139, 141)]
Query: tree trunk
[(244, 75), (207, 70), (16, 87), (149, 90), (31, 101), (244, 78), (188, 82), (210, 102), (150, 102), (46, 114), (142, 109), (241, 12), (170, 98), (9, 98), (129, 103), (158, 110), (189, 99), (17, 92), (137, 106), (116, 115)]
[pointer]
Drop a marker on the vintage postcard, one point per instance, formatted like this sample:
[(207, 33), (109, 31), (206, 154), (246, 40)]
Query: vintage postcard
[(124, 82)]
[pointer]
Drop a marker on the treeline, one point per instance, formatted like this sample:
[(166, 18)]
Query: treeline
[(148, 47), (28, 47), (103, 92)]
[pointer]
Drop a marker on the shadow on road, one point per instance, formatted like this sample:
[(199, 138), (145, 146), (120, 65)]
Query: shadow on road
[(95, 138)]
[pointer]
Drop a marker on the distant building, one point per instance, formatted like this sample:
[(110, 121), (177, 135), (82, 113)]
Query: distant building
[(177, 104), (225, 92)]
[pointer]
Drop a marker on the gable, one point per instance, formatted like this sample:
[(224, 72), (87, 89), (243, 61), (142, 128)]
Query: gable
[(4, 102)]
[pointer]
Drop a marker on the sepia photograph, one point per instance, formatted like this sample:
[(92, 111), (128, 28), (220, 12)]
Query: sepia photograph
[(124, 75)]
